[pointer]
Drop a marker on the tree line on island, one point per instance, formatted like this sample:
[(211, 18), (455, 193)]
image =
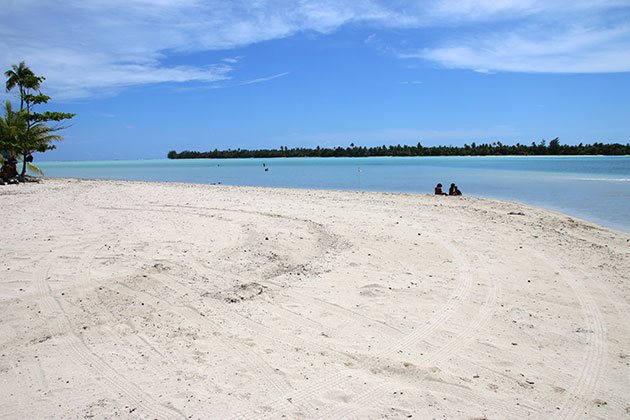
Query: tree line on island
[(25, 131), (486, 149)]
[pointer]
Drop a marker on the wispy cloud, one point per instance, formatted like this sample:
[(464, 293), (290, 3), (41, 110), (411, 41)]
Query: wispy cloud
[(265, 79), (573, 50), (532, 36), (103, 114), (232, 60), (101, 46)]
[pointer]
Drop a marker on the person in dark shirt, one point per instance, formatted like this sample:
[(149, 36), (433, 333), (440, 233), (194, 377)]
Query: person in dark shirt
[(438, 190), (9, 172), (453, 190)]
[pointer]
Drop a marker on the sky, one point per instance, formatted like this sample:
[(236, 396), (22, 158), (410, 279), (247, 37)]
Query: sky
[(148, 76)]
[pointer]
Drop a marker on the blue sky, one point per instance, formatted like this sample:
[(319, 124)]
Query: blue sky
[(148, 76)]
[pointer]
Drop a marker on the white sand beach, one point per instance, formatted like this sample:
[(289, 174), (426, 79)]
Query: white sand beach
[(149, 300)]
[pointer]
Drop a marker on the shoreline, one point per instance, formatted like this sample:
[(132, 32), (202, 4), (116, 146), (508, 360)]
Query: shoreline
[(554, 211), (582, 188), (125, 298), (335, 157)]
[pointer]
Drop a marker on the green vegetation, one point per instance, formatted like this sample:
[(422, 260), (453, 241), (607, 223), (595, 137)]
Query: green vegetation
[(25, 131), (493, 149)]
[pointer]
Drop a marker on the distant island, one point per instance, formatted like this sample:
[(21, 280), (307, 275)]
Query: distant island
[(487, 149)]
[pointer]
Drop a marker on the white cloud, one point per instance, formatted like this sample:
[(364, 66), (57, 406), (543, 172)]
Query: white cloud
[(493, 10), (574, 51), (533, 36), (471, 10), (100, 46)]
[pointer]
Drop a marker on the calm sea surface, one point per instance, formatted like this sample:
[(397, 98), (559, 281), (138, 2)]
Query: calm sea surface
[(595, 188)]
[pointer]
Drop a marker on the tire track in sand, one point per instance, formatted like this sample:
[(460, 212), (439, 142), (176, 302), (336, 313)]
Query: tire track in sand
[(190, 314), (582, 392), (135, 338), (459, 296), (373, 396), (584, 387), (63, 331), (324, 238)]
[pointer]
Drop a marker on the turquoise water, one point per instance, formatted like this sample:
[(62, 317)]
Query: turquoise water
[(595, 188)]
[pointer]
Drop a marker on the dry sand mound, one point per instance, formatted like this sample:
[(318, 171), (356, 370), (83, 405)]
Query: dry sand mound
[(121, 299)]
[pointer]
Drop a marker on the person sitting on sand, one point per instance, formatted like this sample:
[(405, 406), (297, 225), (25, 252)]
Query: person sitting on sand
[(9, 171), (438, 190), (453, 190)]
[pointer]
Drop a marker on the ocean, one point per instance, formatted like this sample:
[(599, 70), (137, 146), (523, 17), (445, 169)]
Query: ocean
[(594, 188)]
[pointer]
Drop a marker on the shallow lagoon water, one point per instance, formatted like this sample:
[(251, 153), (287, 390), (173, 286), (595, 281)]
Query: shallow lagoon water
[(594, 188)]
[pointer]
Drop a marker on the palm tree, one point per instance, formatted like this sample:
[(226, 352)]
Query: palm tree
[(40, 139), (25, 132), (19, 140), (23, 77), (32, 136), (12, 128), (11, 125)]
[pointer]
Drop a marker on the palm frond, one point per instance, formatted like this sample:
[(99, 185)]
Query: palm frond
[(34, 169)]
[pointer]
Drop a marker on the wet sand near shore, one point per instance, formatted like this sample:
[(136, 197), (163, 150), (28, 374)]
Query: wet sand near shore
[(157, 300)]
